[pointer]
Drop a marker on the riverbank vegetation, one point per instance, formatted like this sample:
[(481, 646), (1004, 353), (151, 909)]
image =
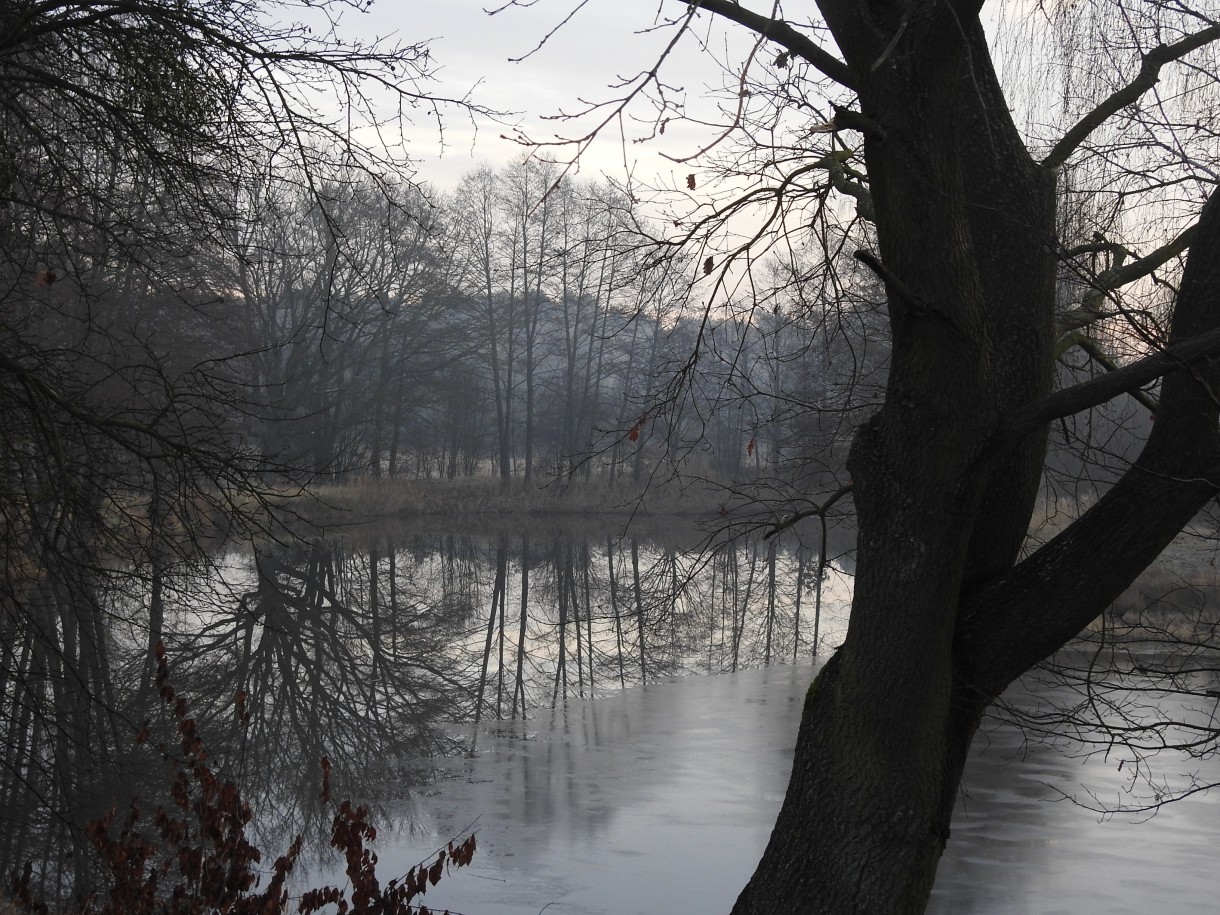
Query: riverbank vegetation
[(411, 499), (186, 850)]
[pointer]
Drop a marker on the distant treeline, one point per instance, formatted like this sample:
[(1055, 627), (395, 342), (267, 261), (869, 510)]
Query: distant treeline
[(365, 328)]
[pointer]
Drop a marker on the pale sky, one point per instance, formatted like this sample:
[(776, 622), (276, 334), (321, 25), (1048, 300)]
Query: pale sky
[(601, 43)]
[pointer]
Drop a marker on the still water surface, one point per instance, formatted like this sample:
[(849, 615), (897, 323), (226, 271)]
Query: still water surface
[(661, 799), (614, 715)]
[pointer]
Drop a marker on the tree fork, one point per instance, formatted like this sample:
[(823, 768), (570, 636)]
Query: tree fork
[(1057, 591)]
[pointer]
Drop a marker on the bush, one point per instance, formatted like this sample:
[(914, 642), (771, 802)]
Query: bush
[(194, 857)]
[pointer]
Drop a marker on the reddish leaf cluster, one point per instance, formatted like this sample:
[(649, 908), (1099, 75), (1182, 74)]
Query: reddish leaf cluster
[(196, 860), (350, 831), (240, 710), (325, 779), (196, 857), (634, 434)]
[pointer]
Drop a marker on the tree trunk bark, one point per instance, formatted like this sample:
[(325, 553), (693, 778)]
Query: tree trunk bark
[(941, 620)]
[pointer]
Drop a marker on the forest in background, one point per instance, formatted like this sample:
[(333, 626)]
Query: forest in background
[(518, 327)]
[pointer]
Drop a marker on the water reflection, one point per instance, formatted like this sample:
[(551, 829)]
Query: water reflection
[(657, 800), (334, 652), (401, 654), (661, 799), (378, 649), (1023, 844)]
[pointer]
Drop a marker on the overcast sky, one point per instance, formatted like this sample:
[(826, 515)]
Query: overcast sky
[(474, 52)]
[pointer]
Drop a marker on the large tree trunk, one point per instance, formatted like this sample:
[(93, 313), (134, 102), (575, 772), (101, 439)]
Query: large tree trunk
[(943, 618)]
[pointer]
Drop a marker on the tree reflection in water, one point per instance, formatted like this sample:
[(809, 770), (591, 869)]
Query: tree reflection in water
[(375, 650)]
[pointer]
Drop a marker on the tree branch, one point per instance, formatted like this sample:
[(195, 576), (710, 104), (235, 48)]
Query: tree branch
[(1137, 269), (1106, 387), (1102, 358), (785, 36), (1118, 276), (1150, 73), (893, 283), (817, 511), (854, 189)]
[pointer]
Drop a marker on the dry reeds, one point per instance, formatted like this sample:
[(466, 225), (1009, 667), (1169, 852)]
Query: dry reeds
[(369, 498)]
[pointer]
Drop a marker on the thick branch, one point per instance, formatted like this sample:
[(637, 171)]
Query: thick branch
[(1140, 268), (1106, 387), (893, 284), (1150, 73), (844, 185), (1102, 358), (1118, 276), (785, 36)]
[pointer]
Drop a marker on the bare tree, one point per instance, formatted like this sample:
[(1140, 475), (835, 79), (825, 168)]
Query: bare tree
[(131, 136), (346, 343), (475, 213)]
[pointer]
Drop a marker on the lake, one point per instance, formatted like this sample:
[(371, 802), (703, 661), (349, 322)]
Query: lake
[(613, 715)]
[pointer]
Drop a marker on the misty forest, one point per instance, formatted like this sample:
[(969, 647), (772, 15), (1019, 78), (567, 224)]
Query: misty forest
[(779, 528)]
